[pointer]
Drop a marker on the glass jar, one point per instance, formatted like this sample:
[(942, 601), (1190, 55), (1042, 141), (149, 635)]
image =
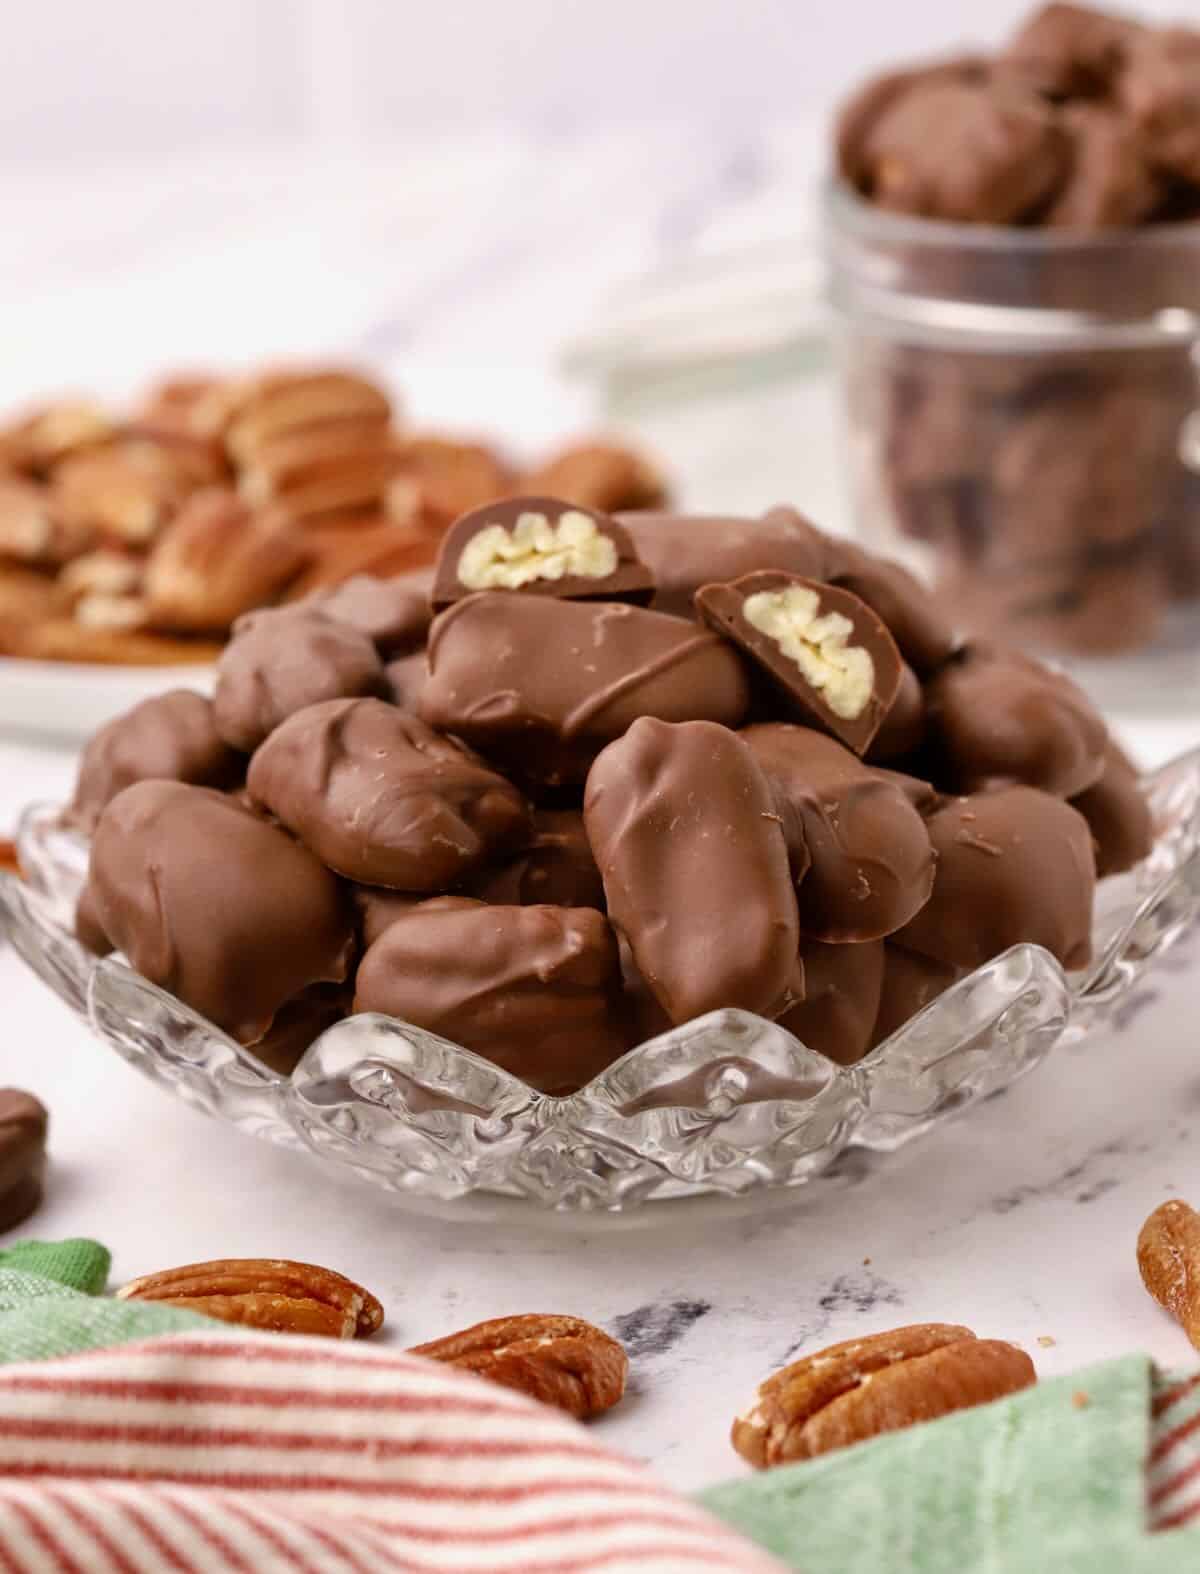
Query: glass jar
[(1020, 415)]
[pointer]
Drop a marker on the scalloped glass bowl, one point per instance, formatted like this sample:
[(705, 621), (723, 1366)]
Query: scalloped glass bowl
[(730, 1104)]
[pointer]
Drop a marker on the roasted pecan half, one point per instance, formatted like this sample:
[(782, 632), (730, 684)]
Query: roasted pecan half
[(561, 1361), (859, 1389), (1168, 1254), (287, 1297)]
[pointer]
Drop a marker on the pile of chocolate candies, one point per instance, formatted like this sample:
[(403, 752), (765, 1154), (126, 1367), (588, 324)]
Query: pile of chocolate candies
[(636, 769)]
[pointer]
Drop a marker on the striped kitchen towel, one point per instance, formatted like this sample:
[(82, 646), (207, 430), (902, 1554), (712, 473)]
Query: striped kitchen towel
[(217, 1451)]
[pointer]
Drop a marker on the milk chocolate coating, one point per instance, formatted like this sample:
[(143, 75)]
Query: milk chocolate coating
[(870, 859), (89, 930), (723, 608), (171, 737), (1117, 814), (841, 999), (988, 153), (394, 614), (902, 730), (276, 665), (996, 716), (1015, 865), (629, 580), (909, 984), (695, 866), (1069, 51), (860, 113), (557, 867), (406, 679), (542, 685), (1111, 182), (24, 1122), (382, 799), (916, 618), (1161, 91), (215, 905), (377, 908), (687, 551), (533, 989), (299, 1024)]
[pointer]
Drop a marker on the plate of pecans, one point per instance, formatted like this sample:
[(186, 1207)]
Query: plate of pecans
[(131, 541)]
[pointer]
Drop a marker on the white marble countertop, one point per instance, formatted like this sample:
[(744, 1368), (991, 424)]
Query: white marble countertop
[(1019, 1221)]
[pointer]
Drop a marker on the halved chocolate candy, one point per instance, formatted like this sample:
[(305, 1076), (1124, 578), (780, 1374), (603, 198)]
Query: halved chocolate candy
[(544, 546), (828, 653)]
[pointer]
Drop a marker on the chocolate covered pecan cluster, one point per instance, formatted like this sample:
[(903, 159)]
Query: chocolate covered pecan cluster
[(141, 537), (576, 820)]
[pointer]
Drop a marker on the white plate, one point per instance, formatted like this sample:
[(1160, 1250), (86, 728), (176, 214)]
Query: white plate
[(70, 700)]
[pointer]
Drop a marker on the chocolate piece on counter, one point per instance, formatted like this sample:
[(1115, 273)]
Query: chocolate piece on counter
[(829, 656), (383, 799), (299, 1024), (1117, 814), (910, 983), (685, 551), (542, 685), (216, 905), (915, 616), (557, 867), (24, 1123), (171, 737), (1111, 183), (987, 153), (1161, 91), (89, 930), (860, 113), (841, 999), (691, 848), (1071, 51), (871, 862), (996, 716), (394, 614), (279, 663), (902, 730), (533, 989), (1013, 866), (406, 679), (542, 546)]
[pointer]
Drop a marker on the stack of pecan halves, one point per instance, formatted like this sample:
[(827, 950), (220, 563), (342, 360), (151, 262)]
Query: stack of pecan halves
[(140, 538)]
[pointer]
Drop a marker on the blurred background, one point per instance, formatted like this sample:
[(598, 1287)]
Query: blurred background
[(451, 190)]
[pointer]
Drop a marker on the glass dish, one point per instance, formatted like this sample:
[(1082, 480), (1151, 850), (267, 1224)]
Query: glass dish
[(730, 1104)]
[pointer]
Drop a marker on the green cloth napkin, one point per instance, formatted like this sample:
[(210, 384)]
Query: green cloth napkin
[(50, 1303), (1052, 1478)]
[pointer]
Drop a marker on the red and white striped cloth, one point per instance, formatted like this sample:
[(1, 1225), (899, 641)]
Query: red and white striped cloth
[(1173, 1465), (254, 1454)]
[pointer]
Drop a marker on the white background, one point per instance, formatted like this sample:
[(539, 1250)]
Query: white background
[(87, 79)]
